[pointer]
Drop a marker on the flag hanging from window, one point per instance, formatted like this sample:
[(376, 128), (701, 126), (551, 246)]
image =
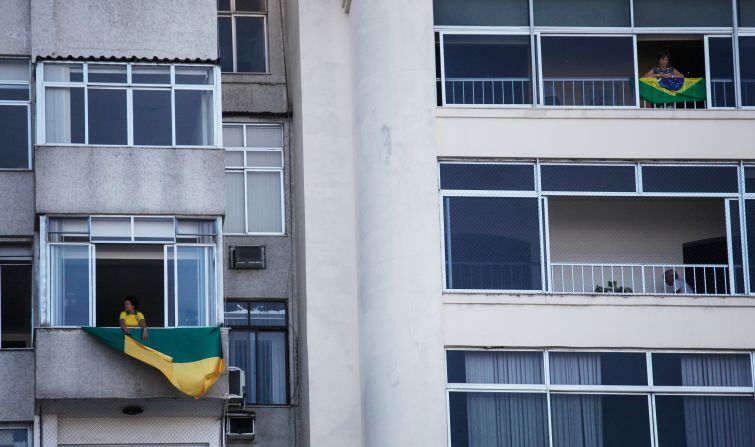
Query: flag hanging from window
[(191, 358), (652, 90)]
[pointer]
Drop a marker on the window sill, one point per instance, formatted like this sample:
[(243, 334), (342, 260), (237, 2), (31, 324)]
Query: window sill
[(588, 113), (116, 146), (488, 298)]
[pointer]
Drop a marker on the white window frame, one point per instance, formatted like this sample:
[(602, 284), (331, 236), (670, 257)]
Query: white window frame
[(549, 389), (233, 14), (246, 169), (129, 86), (27, 105), (3, 263)]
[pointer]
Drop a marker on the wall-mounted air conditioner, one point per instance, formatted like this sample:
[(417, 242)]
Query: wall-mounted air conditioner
[(236, 386), (240, 425), (247, 257)]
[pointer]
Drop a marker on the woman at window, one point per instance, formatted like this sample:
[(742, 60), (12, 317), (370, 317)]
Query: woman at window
[(668, 77), (132, 318)]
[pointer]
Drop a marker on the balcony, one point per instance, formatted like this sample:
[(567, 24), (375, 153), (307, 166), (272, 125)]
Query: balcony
[(72, 365)]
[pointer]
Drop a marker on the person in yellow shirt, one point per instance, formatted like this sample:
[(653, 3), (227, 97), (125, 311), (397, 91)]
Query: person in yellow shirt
[(132, 318)]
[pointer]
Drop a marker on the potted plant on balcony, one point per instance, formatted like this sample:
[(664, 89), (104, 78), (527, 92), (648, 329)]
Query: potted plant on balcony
[(613, 287)]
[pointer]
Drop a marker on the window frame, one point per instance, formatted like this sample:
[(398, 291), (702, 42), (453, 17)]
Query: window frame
[(129, 86), (268, 329), (5, 261), (27, 105), (29, 439), (245, 170), (233, 14), (547, 388)]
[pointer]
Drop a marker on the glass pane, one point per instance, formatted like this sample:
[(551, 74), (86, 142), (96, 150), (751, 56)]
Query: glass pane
[(268, 314), (498, 419), (107, 116), (721, 56), (750, 179), (64, 115), (243, 353), (250, 5), (602, 13), (233, 136), (747, 69), (481, 12), (14, 437), (713, 179), (263, 198), (152, 118), (502, 367), (598, 368), (14, 92), (194, 75), (482, 69), (250, 45), (170, 267), (234, 203), (588, 178), (722, 370), (64, 72), (271, 360), (710, 421), (595, 420), (659, 13), (266, 159), (200, 227), (492, 243), (750, 233), (194, 285), (14, 70), (225, 44), (573, 76), (264, 136), (746, 12), (111, 229), (150, 74), (15, 306), (236, 313), (224, 5), (234, 159), (736, 247), (14, 144), (107, 73), (194, 118), (492, 177), (154, 229), (69, 281)]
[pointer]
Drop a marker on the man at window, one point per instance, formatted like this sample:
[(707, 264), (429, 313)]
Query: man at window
[(674, 284), (132, 318)]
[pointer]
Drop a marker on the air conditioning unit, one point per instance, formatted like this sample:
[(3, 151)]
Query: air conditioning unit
[(236, 386), (248, 257), (240, 425)]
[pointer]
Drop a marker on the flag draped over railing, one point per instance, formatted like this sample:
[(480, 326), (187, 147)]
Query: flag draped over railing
[(652, 91), (191, 358)]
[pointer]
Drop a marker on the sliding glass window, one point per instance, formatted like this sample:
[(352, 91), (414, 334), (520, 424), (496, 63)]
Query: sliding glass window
[(242, 36), (127, 104), (15, 114)]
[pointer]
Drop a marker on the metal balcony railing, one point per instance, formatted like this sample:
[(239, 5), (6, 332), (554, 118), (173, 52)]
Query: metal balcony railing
[(496, 91), (595, 92)]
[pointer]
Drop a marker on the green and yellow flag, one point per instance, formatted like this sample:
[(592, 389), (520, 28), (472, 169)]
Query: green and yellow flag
[(191, 358), (692, 90)]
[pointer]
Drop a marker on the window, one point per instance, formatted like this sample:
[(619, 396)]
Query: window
[(703, 179), (258, 345), (572, 177), (747, 69), (478, 176), (15, 437), (15, 114), (127, 104), (687, 13), (254, 179), (602, 13), (591, 398), (481, 13), (167, 263), (242, 35), (15, 297)]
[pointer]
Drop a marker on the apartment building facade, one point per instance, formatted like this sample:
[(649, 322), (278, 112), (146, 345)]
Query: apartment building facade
[(528, 239), (144, 153)]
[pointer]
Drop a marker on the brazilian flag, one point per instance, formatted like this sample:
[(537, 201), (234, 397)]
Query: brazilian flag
[(652, 91), (191, 358)]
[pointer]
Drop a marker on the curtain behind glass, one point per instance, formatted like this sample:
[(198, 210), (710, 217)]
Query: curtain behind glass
[(507, 419), (242, 346), (577, 420), (504, 367), (264, 202), (716, 370), (272, 366), (58, 115), (583, 368), (234, 198), (718, 421)]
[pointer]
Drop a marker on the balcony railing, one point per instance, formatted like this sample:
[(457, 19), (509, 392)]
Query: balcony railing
[(497, 91), (640, 279), (613, 92)]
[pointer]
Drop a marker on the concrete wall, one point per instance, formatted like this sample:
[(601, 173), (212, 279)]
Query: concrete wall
[(141, 28), (272, 282), (15, 24), (275, 427), (129, 180), (16, 385), (16, 203), (65, 356)]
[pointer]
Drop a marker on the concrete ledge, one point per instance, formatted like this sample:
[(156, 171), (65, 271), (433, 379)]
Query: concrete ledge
[(129, 180), (17, 203), (73, 365), (16, 385)]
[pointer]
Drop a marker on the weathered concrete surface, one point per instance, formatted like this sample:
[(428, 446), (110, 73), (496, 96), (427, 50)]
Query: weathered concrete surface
[(275, 427), (16, 203), (141, 28), (16, 385), (72, 364), (15, 23), (272, 282), (129, 180), (253, 93)]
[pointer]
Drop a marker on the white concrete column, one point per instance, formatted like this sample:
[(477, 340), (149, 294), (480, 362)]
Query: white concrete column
[(398, 238)]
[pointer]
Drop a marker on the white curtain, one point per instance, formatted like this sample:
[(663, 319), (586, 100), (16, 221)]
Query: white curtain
[(58, 115), (507, 419), (234, 199), (264, 205)]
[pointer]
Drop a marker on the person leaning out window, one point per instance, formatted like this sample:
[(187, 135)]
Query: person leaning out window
[(132, 318)]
